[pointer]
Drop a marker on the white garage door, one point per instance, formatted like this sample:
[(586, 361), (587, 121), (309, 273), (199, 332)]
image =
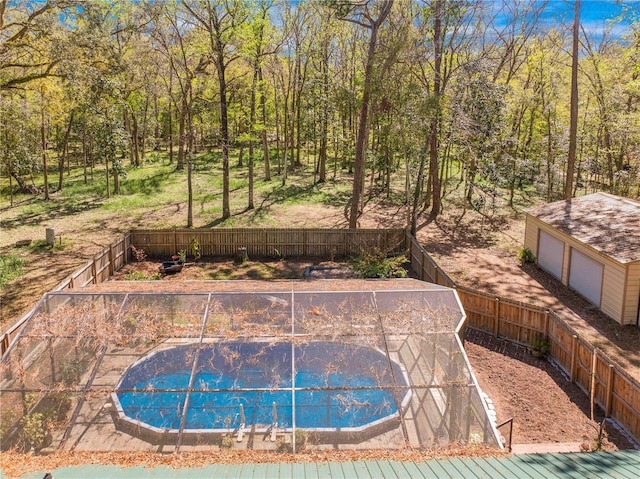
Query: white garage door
[(550, 254), (585, 276)]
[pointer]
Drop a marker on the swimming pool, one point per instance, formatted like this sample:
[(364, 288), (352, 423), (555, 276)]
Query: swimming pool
[(214, 388)]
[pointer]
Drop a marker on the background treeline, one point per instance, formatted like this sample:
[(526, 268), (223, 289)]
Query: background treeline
[(408, 99)]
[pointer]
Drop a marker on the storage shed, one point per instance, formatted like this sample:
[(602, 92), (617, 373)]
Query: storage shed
[(592, 245)]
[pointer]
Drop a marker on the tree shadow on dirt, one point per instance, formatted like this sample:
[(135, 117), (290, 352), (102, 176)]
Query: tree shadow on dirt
[(295, 193), (472, 233), (52, 212)]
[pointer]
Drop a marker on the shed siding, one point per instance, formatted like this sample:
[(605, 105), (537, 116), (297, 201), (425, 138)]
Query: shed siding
[(613, 290), (531, 234), (632, 298)]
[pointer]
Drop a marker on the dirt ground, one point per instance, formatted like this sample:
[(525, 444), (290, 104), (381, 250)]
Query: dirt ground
[(476, 253), (544, 405)]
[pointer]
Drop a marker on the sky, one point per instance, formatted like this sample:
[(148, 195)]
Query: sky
[(594, 13), (596, 16)]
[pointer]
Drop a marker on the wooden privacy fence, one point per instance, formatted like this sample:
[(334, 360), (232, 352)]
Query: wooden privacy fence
[(424, 265), (267, 242), (95, 271), (615, 391), (260, 242)]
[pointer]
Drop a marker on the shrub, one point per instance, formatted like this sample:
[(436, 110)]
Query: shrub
[(525, 255), (138, 254), (139, 276), (195, 248), (227, 442), (539, 345), (34, 431), (283, 446), (379, 265), (10, 268), (7, 420), (71, 371)]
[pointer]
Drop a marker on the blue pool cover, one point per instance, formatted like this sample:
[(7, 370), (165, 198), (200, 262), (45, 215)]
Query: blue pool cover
[(336, 385)]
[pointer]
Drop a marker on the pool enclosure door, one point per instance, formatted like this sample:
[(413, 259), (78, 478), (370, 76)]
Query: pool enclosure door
[(585, 276), (550, 254)]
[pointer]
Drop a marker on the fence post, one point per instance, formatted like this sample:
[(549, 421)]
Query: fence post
[(546, 324), (574, 358), (422, 262), (594, 360), (175, 242), (609, 397), (496, 317), (126, 248), (5, 344), (94, 271), (112, 267)]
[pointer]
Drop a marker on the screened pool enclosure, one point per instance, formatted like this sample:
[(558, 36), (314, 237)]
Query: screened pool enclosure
[(266, 366)]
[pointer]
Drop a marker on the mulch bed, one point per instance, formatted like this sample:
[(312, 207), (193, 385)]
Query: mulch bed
[(545, 406)]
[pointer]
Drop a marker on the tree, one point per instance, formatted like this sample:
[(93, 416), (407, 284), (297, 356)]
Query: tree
[(434, 173), (573, 126), (28, 40), (221, 20), (370, 15), (256, 45), (446, 43), (19, 142)]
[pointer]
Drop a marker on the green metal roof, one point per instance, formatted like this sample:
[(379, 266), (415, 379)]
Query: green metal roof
[(596, 465)]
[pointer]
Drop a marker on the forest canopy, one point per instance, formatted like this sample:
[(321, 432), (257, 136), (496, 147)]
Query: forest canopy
[(406, 98)]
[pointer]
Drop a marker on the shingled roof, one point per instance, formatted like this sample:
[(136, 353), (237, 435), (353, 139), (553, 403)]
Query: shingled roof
[(608, 223)]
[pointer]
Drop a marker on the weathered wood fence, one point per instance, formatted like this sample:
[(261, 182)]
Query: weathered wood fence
[(97, 270), (617, 393), (267, 242), (259, 242)]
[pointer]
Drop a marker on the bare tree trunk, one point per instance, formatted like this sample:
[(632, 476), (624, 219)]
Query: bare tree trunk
[(134, 140), (573, 123), (434, 177), (265, 142), (241, 155), (189, 191), (43, 134), (181, 132), (224, 130), (170, 114), (84, 156), (416, 196), (285, 135), (143, 139), (324, 115), (252, 120), (116, 178), (65, 151), (106, 169)]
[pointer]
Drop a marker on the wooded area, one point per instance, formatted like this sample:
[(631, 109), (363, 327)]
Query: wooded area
[(412, 98)]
